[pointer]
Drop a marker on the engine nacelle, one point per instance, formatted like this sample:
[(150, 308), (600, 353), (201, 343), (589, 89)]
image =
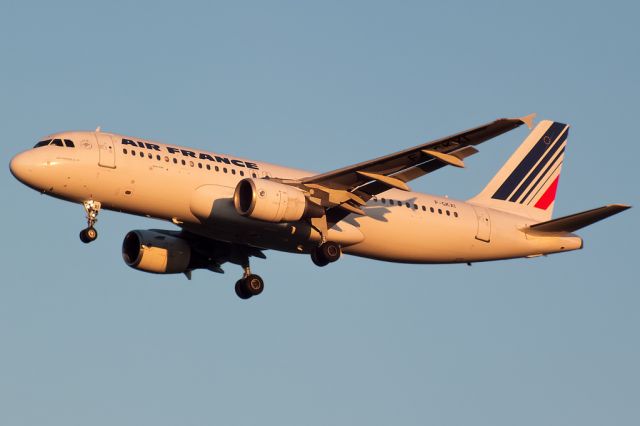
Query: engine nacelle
[(151, 251), (271, 201)]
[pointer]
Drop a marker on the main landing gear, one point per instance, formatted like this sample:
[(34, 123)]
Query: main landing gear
[(91, 209), (250, 284), (326, 253)]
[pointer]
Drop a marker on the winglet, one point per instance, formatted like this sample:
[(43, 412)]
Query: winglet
[(528, 119)]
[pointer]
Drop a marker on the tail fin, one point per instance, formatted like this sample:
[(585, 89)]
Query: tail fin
[(527, 183)]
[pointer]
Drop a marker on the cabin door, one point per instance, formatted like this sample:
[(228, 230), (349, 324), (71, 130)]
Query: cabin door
[(107, 152)]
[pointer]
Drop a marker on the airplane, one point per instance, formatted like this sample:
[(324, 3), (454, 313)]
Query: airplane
[(230, 209)]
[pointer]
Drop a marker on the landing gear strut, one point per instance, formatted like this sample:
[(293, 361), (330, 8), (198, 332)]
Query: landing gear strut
[(91, 209), (250, 284)]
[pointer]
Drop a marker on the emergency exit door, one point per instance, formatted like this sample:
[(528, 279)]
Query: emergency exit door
[(107, 153)]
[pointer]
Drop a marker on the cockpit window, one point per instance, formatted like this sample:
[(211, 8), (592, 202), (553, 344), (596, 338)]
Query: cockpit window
[(57, 142), (42, 143)]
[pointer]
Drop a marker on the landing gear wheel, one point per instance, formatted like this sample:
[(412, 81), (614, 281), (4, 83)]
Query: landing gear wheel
[(240, 290), (330, 251), (89, 234), (318, 261), (253, 285), (326, 253)]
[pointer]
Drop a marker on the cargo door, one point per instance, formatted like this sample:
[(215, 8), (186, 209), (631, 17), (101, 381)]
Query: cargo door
[(484, 224), (107, 152)]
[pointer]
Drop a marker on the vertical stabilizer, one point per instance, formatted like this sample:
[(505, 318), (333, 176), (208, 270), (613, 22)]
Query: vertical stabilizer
[(527, 183)]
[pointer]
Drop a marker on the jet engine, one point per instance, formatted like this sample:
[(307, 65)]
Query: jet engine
[(152, 251), (271, 201)]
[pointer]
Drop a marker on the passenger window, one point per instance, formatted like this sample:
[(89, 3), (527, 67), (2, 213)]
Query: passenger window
[(199, 165), (166, 158), (150, 156), (42, 143), (158, 157), (455, 214), (124, 150), (224, 169), (382, 200), (175, 160), (241, 173), (432, 210), (208, 166), (191, 163), (439, 211), (424, 209), (448, 213), (233, 171), (69, 144), (184, 163), (133, 152), (254, 175), (399, 203), (141, 154), (57, 142), (217, 169)]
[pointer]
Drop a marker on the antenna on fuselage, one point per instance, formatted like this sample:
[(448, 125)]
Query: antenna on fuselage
[(98, 129)]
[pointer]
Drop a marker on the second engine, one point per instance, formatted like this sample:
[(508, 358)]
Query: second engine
[(271, 201)]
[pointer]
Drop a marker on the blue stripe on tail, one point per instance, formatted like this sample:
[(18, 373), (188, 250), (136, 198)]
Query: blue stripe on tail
[(545, 161), (534, 155)]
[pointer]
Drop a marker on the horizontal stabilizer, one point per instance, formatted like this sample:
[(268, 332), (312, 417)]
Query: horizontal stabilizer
[(576, 221)]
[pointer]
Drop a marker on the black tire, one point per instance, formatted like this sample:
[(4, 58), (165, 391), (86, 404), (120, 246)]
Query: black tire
[(253, 285), (240, 290), (89, 234), (317, 259), (330, 251)]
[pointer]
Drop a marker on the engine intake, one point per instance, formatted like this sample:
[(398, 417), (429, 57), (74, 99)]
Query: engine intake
[(152, 251), (271, 201)]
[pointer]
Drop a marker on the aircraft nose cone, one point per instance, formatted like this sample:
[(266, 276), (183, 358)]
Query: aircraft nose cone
[(20, 166)]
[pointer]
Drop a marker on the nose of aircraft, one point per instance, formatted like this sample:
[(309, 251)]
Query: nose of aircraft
[(21, 166)]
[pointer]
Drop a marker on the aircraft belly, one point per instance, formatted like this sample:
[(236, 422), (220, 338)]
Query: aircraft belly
[(403, 235)]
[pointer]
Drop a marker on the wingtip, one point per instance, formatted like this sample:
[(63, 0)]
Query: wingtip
[(621, 207), (528, 119)]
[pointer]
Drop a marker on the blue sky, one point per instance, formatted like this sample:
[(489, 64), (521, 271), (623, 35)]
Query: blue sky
[(86, 340)]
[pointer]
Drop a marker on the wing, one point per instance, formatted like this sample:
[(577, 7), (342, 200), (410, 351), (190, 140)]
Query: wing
[(404, 166), (345, 189)]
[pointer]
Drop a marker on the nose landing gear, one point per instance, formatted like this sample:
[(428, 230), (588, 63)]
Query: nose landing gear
[(91, 208)]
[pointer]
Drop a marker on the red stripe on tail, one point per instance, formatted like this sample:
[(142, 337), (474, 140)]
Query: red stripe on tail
[(550, 194)]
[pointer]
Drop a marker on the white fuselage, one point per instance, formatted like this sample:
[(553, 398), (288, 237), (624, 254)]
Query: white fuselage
[(194, 189)]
